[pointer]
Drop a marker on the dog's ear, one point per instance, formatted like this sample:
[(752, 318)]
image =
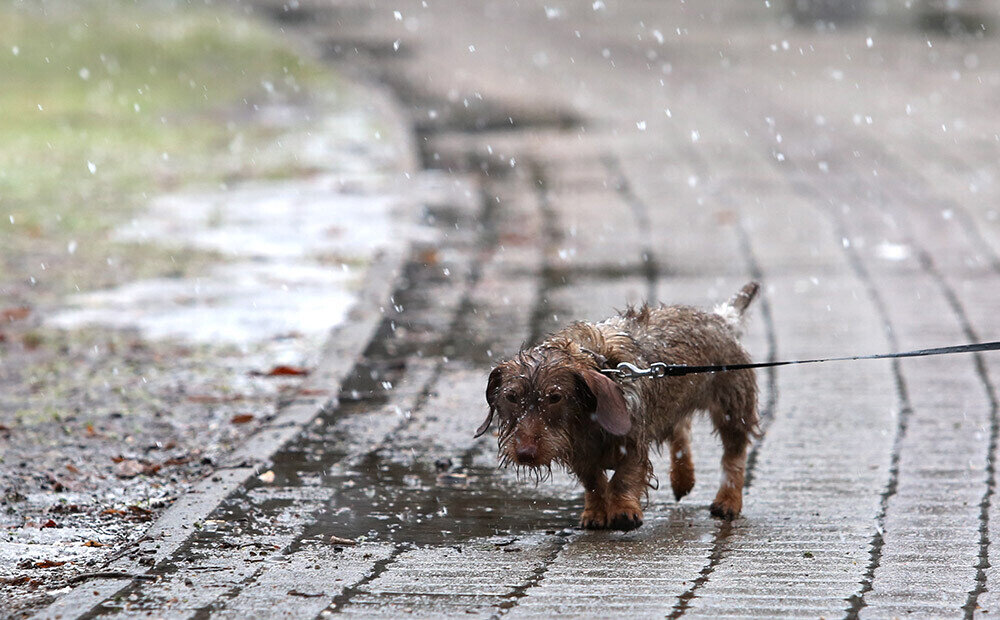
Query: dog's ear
[(603, 399), (492, 392)]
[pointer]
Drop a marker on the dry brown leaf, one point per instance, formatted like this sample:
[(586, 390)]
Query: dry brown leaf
[(208, 399), (242, 418), (17, 313), (282, 371), (113, 511)]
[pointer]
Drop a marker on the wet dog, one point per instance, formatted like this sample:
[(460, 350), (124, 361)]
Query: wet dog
[(554, 406)]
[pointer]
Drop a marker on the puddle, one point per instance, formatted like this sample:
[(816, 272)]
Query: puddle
[(385, 500), (295, 253), (235, 303)]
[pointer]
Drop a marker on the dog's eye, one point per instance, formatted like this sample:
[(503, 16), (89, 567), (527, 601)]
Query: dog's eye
[(511, 396), (555, 397)]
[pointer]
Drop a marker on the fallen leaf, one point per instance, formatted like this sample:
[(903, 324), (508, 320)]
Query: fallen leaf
[(93, 543), (113, 511), (281, 371), (314, 392), (337, 540), (49, 523), (242, 418), (17, 313), (200, 398), (267, 477), (428, 256), (139, 510), (72, 468), (48, 564)]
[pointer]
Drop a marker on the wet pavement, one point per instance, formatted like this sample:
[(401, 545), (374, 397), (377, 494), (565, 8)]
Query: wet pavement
[(605, 153)]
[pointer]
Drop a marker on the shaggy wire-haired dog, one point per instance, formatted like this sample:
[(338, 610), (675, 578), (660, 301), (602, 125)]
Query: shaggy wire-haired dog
[(555, 406)]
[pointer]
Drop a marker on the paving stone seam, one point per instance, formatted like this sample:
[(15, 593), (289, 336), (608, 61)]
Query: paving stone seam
[(994, 432), (345, 596), (928, 266), (511, 599), (770, 337), (916, 185), (640, 211), (549, 278), (856, 601), (487, 241), (723, 531)]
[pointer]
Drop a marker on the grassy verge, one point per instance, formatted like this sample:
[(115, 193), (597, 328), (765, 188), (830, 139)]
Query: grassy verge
[(107, 102)]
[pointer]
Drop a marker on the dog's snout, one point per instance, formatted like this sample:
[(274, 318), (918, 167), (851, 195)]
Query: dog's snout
[(526, 452)]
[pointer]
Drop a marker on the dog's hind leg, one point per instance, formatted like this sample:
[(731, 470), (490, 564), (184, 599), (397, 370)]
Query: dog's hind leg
[(729, 499), (681, 463), (734, 415)]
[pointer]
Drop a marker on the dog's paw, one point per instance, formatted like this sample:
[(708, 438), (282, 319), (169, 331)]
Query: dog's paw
[(681, 483), (594, 520), (728, 503), (723, 511), (624, 514), (626, 521)]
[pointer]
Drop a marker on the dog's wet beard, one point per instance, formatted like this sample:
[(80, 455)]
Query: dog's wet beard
[(555, 445)]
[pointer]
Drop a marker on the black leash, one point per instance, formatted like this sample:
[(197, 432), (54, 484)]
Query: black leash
[(656, 370)]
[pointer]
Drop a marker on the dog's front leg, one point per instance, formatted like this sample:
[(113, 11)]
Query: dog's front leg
[(595, 497), (627, 486)]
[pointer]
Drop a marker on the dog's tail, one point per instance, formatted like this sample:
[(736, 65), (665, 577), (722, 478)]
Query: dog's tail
[(734, 310)]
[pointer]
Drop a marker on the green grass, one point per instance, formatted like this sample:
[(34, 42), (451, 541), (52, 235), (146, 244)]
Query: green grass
[(104, 103)]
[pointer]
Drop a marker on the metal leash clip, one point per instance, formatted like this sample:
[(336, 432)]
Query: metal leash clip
[(626, 370)]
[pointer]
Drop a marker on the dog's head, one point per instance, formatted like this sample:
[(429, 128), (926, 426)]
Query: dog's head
[(542, 399)]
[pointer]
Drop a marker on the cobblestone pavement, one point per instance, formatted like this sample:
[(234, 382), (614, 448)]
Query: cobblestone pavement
[(605, 153)]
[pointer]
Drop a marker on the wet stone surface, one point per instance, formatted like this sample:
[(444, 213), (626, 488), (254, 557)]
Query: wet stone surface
[(670, 184)]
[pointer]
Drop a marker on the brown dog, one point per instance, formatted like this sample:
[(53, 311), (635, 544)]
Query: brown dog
[(554, 406)]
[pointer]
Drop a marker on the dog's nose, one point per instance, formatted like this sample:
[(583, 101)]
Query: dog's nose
[(526, 453)]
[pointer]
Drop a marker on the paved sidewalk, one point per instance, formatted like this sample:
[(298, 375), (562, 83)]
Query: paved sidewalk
[(605, 153)]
